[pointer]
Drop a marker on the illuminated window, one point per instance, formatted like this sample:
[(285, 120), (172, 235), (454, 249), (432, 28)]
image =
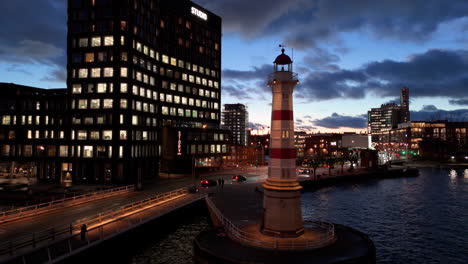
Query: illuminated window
[(180, 112), (100, 119), (95, 41), (101, 87), (134, 120), (94, 135), (108, 41), (173, 111), (82, 104), (107, 135), (88, 151), (138, 105), (108, 103), (96, 72), (191, 101), (123, 135), (165, 59), (123, 103), (108, 72), (188, 113), (144, 135), (83, 73), (89, 57), (76, 88), (95, 104), (165, 110), (123, 88), (169, 98), (123, 72), (82, 135), (173, 61), (177, 99), (121, 152)]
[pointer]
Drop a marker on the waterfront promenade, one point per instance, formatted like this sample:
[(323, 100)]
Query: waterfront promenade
[(240, 202)]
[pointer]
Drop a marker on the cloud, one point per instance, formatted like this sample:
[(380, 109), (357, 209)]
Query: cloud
[(432, 113), (250, 17), (336, 121), (34, 33), (257, 125), (30, 51), (435, 73), (306, 128), (459, 102), (305, 22), (429, 108), (257, 73), (57, 75), (34, 28), (322, 59)]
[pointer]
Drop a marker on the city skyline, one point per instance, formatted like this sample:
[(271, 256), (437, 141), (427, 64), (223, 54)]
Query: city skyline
[(348, 58)]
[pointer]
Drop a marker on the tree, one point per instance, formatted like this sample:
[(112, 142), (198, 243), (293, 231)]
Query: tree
[(315, 164), (330, 162)]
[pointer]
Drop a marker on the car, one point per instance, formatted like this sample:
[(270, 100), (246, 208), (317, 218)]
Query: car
[(238, 178), (208, 183)]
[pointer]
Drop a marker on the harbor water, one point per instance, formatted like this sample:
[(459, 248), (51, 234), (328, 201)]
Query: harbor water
[(411, 220)]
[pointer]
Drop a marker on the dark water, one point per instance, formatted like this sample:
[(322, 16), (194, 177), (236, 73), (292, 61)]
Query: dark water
[(410, 220)]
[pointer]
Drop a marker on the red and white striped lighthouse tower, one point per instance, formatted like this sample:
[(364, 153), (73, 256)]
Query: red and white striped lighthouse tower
[(282, 215)]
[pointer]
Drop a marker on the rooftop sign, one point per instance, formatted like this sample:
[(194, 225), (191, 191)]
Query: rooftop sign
[(199, 13)]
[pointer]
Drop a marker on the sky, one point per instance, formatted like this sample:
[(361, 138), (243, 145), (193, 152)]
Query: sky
[(350, 55)]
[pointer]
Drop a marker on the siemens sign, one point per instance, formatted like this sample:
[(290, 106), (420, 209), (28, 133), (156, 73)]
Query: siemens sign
[(199, 13)]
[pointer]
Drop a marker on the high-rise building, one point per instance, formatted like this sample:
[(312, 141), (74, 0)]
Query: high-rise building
[(143, 97), (236, 118), (134, 68), (404, 104), (389, 115)]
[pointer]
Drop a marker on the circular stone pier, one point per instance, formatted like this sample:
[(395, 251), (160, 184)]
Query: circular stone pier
[(349, 246)]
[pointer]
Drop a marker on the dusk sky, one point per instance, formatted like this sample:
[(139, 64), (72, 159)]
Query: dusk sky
[(351, 55)]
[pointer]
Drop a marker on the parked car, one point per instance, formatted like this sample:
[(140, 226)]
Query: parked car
[(208, 183), (238, 178)]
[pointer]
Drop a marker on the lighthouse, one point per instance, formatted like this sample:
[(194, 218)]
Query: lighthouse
[(279, 234), (282, 215)]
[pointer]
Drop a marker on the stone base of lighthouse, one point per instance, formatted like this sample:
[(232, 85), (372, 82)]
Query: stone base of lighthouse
[(351, 247), (282, 215)]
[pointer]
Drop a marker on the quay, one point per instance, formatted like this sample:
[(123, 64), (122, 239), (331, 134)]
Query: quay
[(108, 219)]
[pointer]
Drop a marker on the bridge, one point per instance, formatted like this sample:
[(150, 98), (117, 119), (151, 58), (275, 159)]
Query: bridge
[(81, 222)]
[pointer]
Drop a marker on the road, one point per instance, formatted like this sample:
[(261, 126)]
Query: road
[(70, 214)]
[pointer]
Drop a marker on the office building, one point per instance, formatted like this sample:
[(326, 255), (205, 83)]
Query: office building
[(236, 119), (33, 133), (440, 140), (389, 115), (143, 78), (135, 68)]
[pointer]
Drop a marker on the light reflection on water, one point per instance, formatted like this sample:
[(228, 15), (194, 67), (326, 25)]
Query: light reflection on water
[(410, 220)]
